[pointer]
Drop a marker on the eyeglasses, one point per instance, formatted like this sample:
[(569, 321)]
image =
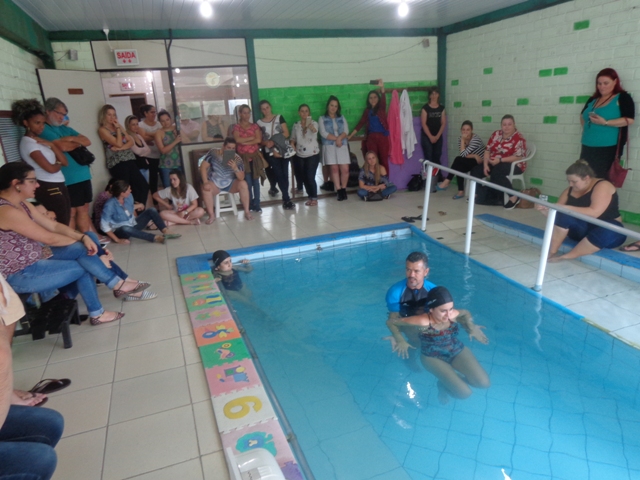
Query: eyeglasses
[(62, 114)]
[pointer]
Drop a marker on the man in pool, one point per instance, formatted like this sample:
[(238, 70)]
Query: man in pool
[(408, 297)]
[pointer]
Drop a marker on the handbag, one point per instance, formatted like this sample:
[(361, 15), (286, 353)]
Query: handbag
[(617, 173), (374, 197), (82, 156), (532, 192)]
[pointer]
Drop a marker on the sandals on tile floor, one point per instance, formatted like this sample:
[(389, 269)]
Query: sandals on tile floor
[(632, 247), (146, 295), (50, 385), (97, 321), (139, 287)]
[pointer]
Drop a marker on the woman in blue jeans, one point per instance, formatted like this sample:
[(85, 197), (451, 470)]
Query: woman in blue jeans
[(120, 219), (68, 259), (373, 179)]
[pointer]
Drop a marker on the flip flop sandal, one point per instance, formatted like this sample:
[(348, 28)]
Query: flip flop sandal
[(139, 287), (45, 400), (50, 385), (408, 219), (632, 247), (170, 236), (146, 295), (97, 321), (458, 197)]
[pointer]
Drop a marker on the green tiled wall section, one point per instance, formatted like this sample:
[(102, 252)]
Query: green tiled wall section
[(566, 100), (522, 101), (454, 83), (488, 71), (486, 103), (581, 25), (285, 101)]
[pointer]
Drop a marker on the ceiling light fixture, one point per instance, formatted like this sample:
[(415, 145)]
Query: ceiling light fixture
[(206, 10), (177, 70), (403, 9)]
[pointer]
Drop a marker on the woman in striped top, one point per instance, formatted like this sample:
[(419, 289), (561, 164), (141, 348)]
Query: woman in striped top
[(471, 150)]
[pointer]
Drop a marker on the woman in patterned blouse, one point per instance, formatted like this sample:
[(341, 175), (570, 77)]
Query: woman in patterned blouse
[(168, 141), (505, 146)]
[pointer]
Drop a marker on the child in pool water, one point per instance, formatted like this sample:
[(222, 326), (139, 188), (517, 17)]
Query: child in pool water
[(225, 272)]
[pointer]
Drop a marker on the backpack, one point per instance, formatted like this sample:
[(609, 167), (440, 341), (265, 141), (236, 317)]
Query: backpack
[(488, 196), (416, 183), (354, 171)]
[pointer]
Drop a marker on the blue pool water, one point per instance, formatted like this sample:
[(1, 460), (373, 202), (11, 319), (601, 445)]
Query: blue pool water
[(564, 397)]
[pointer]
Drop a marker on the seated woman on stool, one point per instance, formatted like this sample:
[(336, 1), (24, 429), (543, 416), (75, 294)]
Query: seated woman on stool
[(590, 196), (183, 209), (120, 219), (504, 147), (373, 179), (69, 262), (471, 154)]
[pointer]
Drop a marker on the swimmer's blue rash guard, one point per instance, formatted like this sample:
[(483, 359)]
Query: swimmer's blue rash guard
[(405, 301)]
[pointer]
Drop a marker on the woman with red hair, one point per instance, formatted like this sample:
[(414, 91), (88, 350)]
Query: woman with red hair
[(605, 120)]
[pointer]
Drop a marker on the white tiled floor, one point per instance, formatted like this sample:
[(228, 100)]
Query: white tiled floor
[(139, 405)]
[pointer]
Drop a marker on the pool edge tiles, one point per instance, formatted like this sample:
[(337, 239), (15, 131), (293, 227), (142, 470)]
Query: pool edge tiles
[(245, 416)]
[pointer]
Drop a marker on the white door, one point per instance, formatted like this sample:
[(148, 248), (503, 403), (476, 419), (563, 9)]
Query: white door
[(82, 93)]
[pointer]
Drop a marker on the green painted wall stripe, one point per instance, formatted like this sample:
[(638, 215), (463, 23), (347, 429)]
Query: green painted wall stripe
[(85, 35), (454, 83), (545, 73), (522, 101), (582, 98), (286, 100), (581, 25), (488, 71), (535, 181), (20, 29), (561, 71), (486, 119), (457, 104), (550, 119), (630, 217), (566, 100), (486, 103)]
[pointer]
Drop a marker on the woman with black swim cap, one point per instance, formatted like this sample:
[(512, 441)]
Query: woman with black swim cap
[(442, 353)]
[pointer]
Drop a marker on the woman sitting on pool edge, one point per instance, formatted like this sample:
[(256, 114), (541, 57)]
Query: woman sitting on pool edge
[(442, 354), (590, 196)]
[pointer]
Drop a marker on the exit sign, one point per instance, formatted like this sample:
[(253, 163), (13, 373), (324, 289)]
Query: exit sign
[(124, 58)]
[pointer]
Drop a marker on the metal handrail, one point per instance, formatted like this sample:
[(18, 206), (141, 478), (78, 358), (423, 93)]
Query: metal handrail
[(428, 167)]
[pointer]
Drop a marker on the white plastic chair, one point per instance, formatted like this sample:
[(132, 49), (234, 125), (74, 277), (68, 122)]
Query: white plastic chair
[(531, 151), (231, 207)]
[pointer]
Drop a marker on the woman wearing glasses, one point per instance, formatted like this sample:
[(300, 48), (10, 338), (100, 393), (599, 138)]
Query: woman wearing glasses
[(605, 120)]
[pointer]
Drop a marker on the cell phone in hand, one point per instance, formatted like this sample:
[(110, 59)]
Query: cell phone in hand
[(228, 155), (373, 82)]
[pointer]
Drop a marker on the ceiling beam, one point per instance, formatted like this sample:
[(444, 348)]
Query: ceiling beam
[(95, 35), (20, 29)]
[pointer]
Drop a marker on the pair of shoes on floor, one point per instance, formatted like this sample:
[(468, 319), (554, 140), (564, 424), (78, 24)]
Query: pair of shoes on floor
[(328, 186), (146, 295), (510, 205), (342, 194), (138, 288), (288, 205)]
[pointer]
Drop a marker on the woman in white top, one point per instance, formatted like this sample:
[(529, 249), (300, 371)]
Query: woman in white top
[(139, 148), (148, 128), (335, 147), (183, 209), (45, 157), (304, 138)]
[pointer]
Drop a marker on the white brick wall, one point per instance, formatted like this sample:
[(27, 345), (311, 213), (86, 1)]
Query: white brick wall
[(310, 61), (85, 56), (17, 77), (517, 49)]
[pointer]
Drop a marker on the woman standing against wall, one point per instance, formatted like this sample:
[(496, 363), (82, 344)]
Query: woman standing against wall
[(168, 141), (605, 122), (433, 119), (121, 161), (248, 137), (335, 146), (148, 127), (44, 156), (305, 139), (374, 118), (274, 135)]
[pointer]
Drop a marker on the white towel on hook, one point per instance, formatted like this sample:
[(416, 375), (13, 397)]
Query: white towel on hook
[(406, 120)]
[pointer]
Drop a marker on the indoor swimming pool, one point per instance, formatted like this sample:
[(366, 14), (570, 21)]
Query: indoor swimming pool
[(564, 398)]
